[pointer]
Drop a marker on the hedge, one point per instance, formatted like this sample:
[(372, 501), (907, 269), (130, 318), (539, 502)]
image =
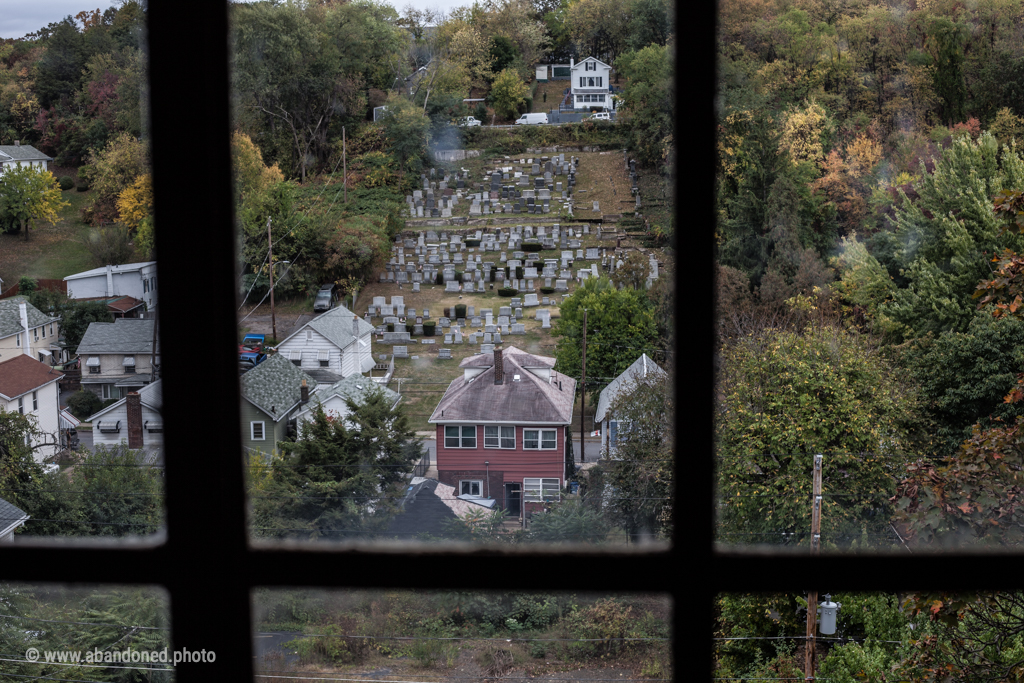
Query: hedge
[(519, 272), (460, 311), (66, 182), (409, 327), (531, 246), (507, 291), (439, 280), (428, 328), (472, 243), (391, 327), (547, 290)]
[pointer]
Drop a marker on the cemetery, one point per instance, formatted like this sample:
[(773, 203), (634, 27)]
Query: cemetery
[(491, 247)]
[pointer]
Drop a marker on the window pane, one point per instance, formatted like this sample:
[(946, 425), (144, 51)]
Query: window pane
[(469, 437)]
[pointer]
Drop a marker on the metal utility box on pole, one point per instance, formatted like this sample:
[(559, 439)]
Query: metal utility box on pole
[(812, 596)]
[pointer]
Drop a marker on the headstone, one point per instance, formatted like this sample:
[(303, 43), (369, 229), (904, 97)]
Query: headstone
[(561, 286), (401, 351), (444, 354), (518, 328)]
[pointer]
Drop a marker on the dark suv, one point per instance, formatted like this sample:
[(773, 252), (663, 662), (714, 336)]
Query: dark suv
[(324, 298)]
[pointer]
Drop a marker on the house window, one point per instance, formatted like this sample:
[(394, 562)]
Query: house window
[(17, 340), (456, 436), (309, 335), (540, 490), (129, 364), (600, 81), (145, 285), (324, 357), (583, 81), (590, 82), (44, 331), (296, 357), (35, 334), (471, 488), (613, 433), (51, 329), (540, 439), (496, 436), (35, 401), (256, 431), (21, 405), (579, 98)]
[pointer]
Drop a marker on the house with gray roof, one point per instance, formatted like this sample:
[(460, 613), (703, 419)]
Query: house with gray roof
[(272, 392), (137, 420), (619, 387), (34, 335), (332, 397), (11, 517), (331, 346), (137, 280), (118, 357), (19, 154), (503, 429)]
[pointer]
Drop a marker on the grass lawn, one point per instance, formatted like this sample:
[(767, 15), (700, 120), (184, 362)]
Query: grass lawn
[(52, 251)]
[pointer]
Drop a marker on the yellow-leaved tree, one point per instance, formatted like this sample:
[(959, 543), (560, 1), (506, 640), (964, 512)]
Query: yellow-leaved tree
[(29, 193), (803, 133), (135, 202)]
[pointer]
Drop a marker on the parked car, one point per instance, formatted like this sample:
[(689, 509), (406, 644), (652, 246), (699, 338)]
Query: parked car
[(599, 116), (467, 121), (251, 359), (252, 343), (532, 119), (324, 298)]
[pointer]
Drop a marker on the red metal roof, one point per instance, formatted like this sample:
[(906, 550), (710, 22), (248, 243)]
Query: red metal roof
[(22, 374)]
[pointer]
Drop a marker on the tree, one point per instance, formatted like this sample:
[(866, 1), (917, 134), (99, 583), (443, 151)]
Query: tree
[(59, 72), (341, 478), (508, 93), (640, 474), (783, 397), (76, 316), (135, 203), (620, 327), (569, 521), (503, 53), (121, 492), (633, 271), (29, 193), (648, 101), (113, 170)]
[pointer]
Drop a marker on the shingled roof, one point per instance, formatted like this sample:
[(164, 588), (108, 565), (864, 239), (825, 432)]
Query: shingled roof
[(641, 367), (336, 325), (10, 153), (22, 374), (10, 318), (275, 385), (529, 400), (355, 387), (11, 517), (124, 335)]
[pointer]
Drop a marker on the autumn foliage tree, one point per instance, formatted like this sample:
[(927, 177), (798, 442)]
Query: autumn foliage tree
[(29, 193)]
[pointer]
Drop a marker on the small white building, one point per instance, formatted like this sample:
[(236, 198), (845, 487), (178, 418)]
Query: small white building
[(331, 346), (333, 397), (25, 330), (135, 419), (590, 84), (136, 280), (19, 154), (618, 387), (30, 388)]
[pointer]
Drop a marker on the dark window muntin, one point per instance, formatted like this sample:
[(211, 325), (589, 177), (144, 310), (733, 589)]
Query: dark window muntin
[(232, 568)]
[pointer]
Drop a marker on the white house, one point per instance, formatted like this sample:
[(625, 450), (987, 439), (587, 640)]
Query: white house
[(18, 154), (118, 357), (24, 329), (332, 397), (131, 279), (135, 419), (590, 84), (331, 346), (621, 385), (30, 388)]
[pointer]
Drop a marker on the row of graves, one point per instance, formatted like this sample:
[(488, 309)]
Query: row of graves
[(433, 253), (531, 187), (484, 328)]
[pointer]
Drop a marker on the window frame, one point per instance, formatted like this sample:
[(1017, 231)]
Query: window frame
[(540, 438), (479, 484), (540, 488), (500, 437), (263, 430), (205, 495), (462, 437)]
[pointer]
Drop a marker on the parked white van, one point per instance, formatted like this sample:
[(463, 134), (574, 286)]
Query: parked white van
[(532, 118)]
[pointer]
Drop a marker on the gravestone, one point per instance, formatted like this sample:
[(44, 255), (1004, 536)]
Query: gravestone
[(444, 354), (518, 328), (401, 351)]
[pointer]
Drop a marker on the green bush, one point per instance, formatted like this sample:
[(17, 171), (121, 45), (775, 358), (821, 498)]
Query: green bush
[(519, 272), (66, 182), (439, 280), (460, 311), (391, 327), (547, 290), (83, 403), (507, 291), (409, 327), (458, 276), (531, 246), (472, 243), (428, 328)]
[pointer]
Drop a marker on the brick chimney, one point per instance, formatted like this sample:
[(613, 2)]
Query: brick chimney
[(134, 407), (499, 368), (303, 394)]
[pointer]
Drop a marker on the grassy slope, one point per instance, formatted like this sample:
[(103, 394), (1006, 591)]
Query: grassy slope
[(52, 251)]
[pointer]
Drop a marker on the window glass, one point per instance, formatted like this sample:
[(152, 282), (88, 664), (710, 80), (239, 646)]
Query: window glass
[(469, 436), (531, 438)]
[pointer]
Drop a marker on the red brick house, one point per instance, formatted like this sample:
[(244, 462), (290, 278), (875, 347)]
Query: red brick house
[(502, 429)]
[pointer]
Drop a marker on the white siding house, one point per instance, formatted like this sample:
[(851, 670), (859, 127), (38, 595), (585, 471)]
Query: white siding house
[(30, 388), (19, 154), (136, 280), (331, 346), (34, 335), (618, 387), (332, 397), (590, 84), (113, 424)]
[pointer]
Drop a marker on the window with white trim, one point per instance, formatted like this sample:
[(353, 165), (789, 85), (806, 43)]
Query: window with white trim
[(600, 81), (296, 357), (256, 431), (323, 356), (35, 401), (583, 81), (129, 364), (538, 490), (93, 363), (499, 436), (35, 334), (21, 405), (471, 487), (543, 439), (460, 436)]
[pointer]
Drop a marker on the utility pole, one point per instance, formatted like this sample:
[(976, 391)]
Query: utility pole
[(812, 596), (270, 246), (583, 385), (344, 168)]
